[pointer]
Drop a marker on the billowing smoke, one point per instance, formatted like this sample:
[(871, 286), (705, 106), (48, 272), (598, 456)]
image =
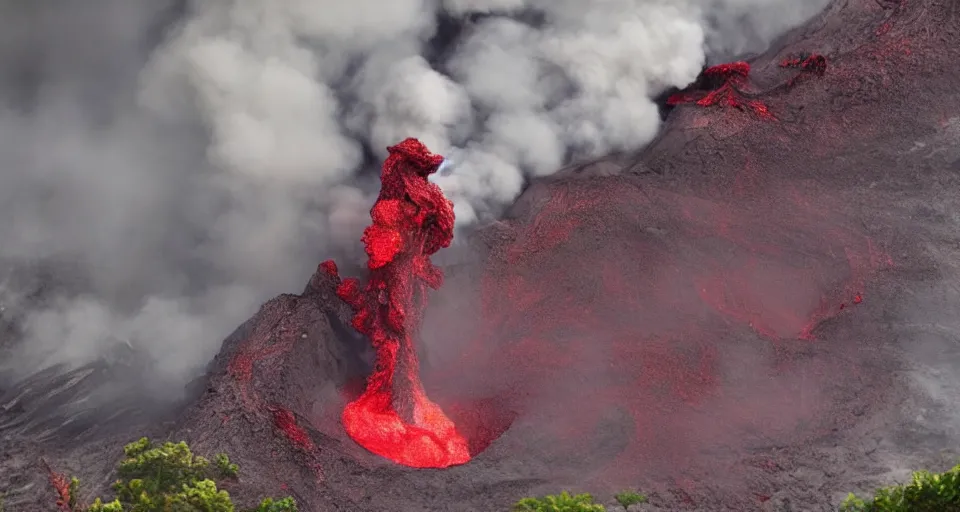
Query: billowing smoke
[(172, 165)]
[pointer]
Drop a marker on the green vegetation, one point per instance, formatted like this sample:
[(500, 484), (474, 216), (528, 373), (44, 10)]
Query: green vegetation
[(927, 492), (225, 467), (627, 498), (168, 477), (563, 502)]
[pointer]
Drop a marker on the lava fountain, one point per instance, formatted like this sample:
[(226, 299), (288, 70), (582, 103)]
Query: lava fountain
[(412, 220)]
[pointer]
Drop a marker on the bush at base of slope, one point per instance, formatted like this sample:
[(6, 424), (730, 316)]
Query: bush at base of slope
[(563, 502), (566, 502), (167, 477), (927, 492)]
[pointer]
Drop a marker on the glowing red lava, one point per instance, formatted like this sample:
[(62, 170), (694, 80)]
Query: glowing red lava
[(412, 220), (61, 484), (729, 85), (723, 84), (811, 64), (286, 422)]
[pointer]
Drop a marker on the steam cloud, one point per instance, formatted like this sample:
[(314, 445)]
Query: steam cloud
[(182, 163)]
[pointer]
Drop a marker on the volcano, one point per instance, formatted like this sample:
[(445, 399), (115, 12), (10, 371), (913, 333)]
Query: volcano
[(757, 311)]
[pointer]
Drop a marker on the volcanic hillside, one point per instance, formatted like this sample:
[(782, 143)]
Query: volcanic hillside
[(755, 312)]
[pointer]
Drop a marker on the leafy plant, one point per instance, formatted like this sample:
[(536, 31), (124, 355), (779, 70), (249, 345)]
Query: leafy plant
[(285, 505), (226, 467), (564, 502), (927, 492), (627, 498), (73, 491), (169, 477)]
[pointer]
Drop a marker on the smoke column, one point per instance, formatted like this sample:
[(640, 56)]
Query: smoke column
[(170, 165)]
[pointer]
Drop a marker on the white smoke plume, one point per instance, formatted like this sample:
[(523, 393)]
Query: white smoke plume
[(187, 161)]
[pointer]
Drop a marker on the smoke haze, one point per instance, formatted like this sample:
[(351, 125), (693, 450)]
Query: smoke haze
[(177, 164)]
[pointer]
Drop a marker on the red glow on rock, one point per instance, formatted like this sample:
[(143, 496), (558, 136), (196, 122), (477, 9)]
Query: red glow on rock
[(286, 423), (330, 267), (61, 484), (728, 85), (412, 220), (723, 85), (261, 357), (481, 422), (727, 71), (812, 64)]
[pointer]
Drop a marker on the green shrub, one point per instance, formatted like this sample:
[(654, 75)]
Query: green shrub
[(169, 477), (285, 505), (627, 498), (225, 467), (927, 492), (563, 502)]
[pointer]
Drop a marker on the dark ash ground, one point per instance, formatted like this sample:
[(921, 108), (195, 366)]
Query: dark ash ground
[(668, 320)]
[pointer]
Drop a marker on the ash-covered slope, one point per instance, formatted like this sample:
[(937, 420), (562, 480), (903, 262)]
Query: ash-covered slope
[(756, 312)]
